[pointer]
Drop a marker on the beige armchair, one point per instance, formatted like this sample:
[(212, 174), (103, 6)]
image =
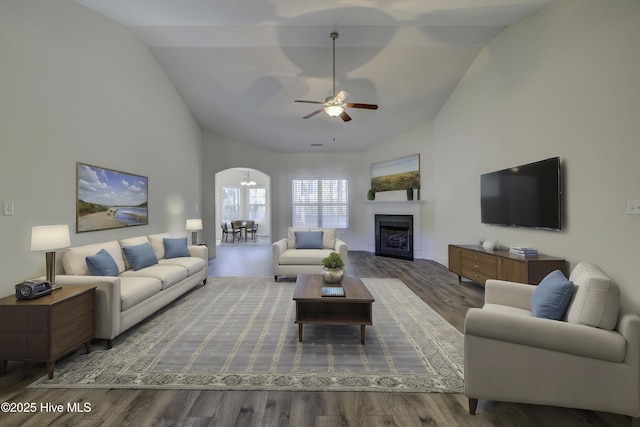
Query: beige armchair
[(589, 360), (289, 260)]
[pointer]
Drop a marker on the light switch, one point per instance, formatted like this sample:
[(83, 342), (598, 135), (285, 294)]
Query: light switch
[(633, 207), (7, 208)]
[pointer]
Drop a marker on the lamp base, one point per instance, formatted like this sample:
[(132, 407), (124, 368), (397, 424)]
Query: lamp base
[(50, 260)]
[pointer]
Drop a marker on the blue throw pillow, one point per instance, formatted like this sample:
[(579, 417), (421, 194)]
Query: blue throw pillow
[(175, 248), (551, 298), (102, 264), (308, 239), (140, 256)]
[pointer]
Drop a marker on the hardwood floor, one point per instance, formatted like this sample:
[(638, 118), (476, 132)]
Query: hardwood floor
[(429, 280)]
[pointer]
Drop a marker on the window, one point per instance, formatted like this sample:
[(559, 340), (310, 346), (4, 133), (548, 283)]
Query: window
[(320, 202), (230, 203), (258, 204)]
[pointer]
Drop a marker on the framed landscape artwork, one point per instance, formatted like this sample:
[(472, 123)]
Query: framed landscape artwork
[(396, 174), (107, 198)]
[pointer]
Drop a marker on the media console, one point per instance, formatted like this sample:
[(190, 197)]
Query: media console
[(478, 265)]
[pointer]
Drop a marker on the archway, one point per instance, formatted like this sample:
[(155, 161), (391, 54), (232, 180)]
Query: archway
[(235, 200)]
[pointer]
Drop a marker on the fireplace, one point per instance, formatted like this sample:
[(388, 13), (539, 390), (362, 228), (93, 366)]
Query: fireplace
[(394, 236)]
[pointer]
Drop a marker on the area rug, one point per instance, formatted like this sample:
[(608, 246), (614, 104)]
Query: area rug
[(239, 334)]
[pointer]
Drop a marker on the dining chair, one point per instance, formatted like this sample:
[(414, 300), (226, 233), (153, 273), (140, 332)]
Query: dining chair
[(237, 227), (252, 228), (225, 232)]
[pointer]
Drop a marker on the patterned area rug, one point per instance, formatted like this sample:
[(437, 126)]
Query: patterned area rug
[(239, 334)]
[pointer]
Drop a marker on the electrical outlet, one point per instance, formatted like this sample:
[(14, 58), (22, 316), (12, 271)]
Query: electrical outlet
[(633, 207), (7, 208)]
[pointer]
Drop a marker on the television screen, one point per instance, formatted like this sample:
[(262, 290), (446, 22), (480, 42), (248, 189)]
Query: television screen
[(523, 196)]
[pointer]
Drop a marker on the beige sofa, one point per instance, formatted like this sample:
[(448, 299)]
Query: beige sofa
[(126, 299), (589, 360), (291, 261)]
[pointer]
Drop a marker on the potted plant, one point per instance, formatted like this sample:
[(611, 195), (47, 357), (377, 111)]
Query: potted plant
[(333, 270), (371, 195)]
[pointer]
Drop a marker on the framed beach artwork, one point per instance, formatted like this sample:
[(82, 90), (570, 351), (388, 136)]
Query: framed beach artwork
[(396, 174), (106, 198)]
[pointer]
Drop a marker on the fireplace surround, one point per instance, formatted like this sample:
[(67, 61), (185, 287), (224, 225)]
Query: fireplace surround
[(394, 236)]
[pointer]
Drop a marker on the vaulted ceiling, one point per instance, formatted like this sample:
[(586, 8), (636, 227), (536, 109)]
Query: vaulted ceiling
[(240, 64)]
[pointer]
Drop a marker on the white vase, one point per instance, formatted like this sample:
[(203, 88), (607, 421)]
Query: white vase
[(489, 245)]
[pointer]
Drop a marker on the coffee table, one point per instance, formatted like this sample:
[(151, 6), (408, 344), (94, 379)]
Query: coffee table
[(355, 308)]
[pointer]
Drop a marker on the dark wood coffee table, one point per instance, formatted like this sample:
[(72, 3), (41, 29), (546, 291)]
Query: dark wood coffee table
[(355, 308)]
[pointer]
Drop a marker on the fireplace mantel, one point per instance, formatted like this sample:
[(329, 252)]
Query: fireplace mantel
[(396, 207)]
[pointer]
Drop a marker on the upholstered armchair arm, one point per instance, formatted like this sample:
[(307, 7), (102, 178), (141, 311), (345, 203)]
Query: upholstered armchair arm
[(107, 308), (548, 334), (278, 248), (341, 248), (508, 293), (629, 328)]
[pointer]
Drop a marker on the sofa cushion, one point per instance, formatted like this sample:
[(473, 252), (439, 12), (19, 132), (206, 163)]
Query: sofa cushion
[(140, 256), (74, 260), (596, 301), (168, 275), (191, 264), (305, 257), (102, 264), (176, 248), (552, 296), (134, 290), (308, 239), (329, 236), (157, 243)]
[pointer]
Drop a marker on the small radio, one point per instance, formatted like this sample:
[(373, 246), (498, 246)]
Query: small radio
[(33, 289)]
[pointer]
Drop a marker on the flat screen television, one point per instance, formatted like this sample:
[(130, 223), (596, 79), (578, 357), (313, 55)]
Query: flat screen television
[(523, 196)]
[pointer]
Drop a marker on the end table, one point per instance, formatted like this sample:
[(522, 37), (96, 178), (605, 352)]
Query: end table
[(46, 328)]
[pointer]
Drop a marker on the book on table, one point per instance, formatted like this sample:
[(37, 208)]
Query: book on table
[(332, 291), (523, 251)]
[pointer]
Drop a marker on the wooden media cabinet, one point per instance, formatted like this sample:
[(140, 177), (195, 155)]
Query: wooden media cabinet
[(478, 265)]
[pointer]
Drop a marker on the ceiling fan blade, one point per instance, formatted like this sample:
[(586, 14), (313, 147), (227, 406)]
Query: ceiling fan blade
[(341, 96), (313, 114), (308, 102), (345, 117), (365, 106)]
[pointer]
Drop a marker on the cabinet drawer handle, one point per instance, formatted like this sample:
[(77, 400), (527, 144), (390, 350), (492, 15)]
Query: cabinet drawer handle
[(476, 266)]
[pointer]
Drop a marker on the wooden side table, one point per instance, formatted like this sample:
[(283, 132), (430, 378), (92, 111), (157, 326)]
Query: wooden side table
[(46, 328)]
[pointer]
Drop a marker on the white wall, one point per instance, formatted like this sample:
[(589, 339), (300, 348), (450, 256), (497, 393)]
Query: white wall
[(221, 153), (563, 82), (75, 86)]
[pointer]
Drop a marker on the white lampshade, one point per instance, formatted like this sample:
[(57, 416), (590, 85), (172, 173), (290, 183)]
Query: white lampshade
[(194, 224), (334, 110), (49, 237)]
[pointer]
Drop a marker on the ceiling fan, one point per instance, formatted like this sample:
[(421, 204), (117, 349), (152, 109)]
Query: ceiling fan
[(334, 105)]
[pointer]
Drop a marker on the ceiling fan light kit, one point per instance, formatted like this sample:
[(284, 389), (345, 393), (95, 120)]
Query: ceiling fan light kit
[(334, 106), (334, 110)]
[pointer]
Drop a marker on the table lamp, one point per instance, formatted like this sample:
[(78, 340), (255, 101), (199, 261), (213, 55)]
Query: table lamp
[(194, 225), (48, 238)]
